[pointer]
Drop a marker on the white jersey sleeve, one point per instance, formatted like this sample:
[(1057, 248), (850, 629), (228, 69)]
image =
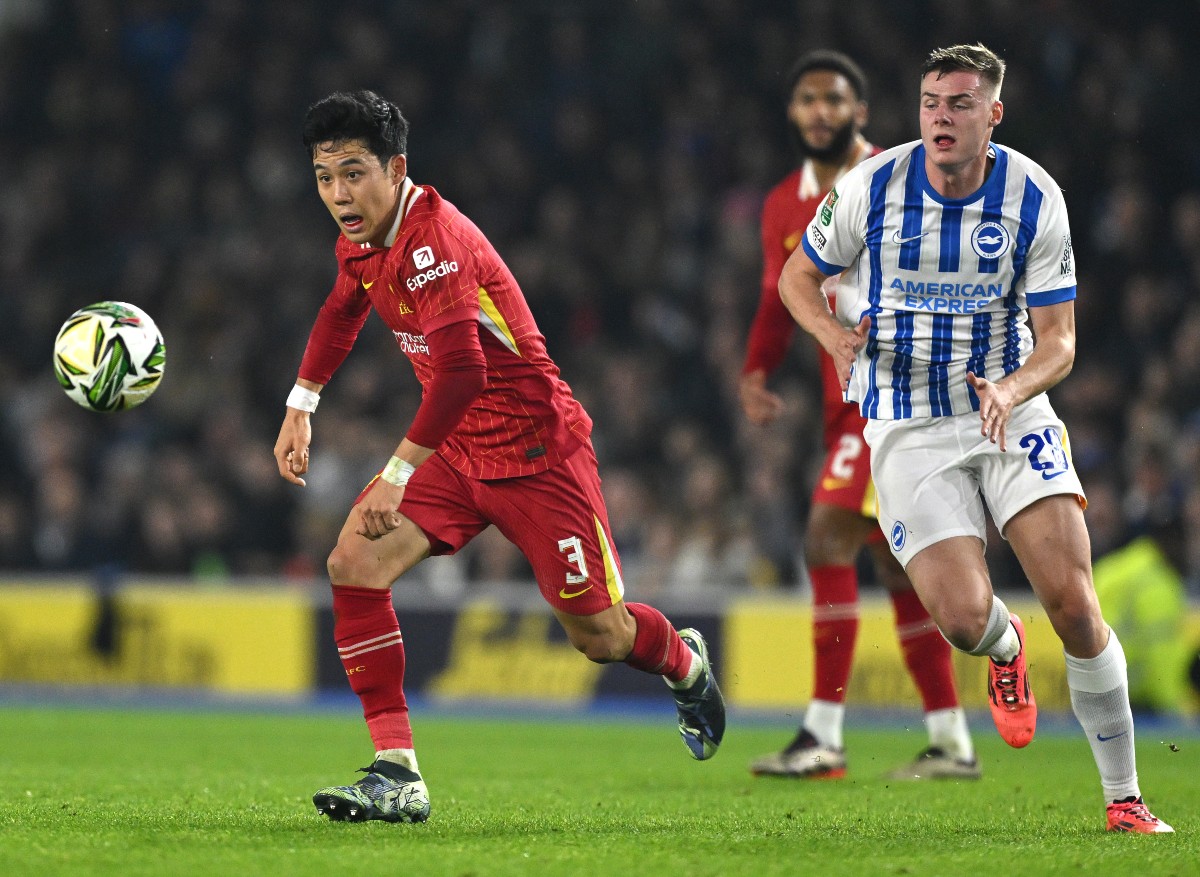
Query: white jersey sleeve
[(837, 232), (1050, 265)]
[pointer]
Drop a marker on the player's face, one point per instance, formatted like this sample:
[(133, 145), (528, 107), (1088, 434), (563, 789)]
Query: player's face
[(958, 113), (826, 114), (362, 194)]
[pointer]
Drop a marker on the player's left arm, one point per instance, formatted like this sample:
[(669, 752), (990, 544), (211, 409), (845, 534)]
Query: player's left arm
[(459, 376), (1050, 298), (772, 328), (1052, 358)]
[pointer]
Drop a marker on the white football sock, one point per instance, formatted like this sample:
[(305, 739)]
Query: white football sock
[(823, 720), (1100, 698), (692, 675), (999, 641), (948, 731), (404, 757)]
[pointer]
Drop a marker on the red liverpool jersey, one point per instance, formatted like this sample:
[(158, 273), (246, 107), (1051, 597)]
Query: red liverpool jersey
[(439, 270), (787, 212)]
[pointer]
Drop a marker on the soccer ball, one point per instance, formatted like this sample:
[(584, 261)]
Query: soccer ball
[(109, 356)]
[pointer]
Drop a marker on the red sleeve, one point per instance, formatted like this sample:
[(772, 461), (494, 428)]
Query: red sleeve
[(459, 376), (773, 327), (335, 330)]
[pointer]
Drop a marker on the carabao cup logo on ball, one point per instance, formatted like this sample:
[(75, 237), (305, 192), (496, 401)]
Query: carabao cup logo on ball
[(899, 535), (990, 240)]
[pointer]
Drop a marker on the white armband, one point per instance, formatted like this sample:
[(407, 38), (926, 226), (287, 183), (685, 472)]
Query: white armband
[(303, 399), (397, 471)]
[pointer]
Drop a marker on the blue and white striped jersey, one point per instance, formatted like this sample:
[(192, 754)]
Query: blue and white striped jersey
[(946, 282)]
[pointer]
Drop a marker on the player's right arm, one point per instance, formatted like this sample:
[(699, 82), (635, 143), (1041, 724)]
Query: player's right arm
[(771, 329), (832, 242), (295, 436), (800, 289), (333, 334)]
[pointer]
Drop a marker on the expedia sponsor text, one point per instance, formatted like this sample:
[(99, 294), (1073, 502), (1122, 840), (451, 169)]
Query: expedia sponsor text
[(441, 270)]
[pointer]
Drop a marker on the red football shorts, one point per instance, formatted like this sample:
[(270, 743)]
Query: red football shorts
[(557, 518), (845, 479)]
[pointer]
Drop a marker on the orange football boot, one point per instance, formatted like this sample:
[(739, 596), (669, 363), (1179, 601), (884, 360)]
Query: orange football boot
[(1131, 815), (1014, 709)]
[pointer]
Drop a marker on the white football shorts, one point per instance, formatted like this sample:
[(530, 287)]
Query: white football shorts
[(934, 476)]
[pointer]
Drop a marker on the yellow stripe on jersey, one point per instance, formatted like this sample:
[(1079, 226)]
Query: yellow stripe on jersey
[(492, 319), (612, 573)]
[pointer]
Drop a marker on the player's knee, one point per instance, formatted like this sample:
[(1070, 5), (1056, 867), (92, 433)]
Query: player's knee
[(346, 567), (827, 542), (825, 548), (961, 638), (892, 577), (964, 629), (1072, 606), (1076, 617)]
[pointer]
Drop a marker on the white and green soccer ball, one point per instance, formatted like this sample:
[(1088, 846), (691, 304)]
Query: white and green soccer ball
[(109, 356)]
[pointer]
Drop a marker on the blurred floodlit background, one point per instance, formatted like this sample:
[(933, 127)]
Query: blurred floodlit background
[(617, 154)]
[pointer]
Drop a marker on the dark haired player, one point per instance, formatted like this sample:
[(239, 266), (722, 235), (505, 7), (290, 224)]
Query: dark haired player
[(497, 439)]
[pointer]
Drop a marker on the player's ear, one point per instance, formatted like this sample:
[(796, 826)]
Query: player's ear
[(861, 114), (997, 113), (398, 167)]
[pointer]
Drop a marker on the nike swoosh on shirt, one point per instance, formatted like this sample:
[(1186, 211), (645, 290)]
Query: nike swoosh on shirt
[(1104, 739), (568, 595), (368, 285), (896, 239)]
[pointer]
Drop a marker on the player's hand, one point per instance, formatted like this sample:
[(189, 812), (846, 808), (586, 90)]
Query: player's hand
[(378, 512), (844, 348), (996, 403), (759, 404), (291, 448)]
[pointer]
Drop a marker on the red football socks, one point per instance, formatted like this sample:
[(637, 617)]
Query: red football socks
[(372, 652), (657, 647), (926, 652), (835, 629)]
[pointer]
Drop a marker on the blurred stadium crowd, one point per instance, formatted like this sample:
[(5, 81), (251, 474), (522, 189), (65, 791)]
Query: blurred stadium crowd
[(617, 154)]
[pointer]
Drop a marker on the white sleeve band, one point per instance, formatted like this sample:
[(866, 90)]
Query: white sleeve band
[(397, 471), (303, 399)]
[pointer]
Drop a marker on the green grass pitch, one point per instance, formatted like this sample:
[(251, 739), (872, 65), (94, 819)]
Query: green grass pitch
[(182, 792)]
